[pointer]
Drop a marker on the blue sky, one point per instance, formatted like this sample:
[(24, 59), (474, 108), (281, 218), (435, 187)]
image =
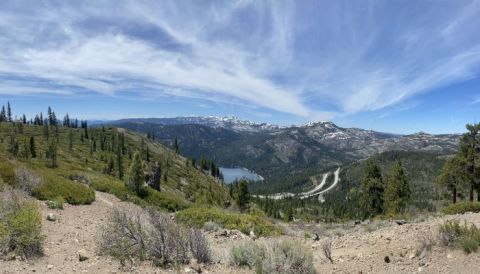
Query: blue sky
[(396, 66)]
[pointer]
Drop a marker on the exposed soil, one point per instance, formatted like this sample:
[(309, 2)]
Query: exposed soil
[(358, 251)]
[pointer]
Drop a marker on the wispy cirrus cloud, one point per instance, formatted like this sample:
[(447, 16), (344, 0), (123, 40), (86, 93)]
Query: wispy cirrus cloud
[(290, 57)]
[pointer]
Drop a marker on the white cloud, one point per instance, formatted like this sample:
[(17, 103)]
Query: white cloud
[(289, 56)]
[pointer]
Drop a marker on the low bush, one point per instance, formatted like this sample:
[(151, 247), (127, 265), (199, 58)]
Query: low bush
[(73, 193), (152, 197), (20, 225), (278, 257), (465, 236), (462, 207), (7, 172), (198, 216), (248, 254), (199, 247), (145, 234), (26, 180), (125, 235)]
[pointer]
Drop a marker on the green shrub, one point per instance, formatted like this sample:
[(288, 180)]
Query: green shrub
[(279, 257), (465, 236), (7, 172), (198, 216), (288, 257), (462, 207), (20, 227), (151, 198), (72, 192), (469, 243), (56, 203)]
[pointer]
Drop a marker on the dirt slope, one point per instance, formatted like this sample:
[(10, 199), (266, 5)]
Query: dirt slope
[(358, 251)]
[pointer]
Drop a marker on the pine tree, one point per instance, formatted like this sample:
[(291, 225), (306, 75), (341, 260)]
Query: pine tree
[(372, 190), (397, 192), (9, 112), (176, 146), (452, 176), (120, 162), (33, 150), (24, 119), (52, 153), (242, 195), (135, 178), (3, 115), (470, 152)]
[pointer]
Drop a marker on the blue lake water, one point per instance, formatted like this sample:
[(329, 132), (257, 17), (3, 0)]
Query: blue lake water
[(231, 174)]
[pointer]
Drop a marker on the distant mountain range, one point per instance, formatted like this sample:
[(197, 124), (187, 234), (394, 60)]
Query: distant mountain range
[(286, 156)]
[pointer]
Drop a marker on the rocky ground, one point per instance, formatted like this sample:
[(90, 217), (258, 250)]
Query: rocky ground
[(391, 248)]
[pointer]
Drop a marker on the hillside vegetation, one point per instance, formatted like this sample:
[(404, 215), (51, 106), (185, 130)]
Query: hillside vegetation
[(97, 158)]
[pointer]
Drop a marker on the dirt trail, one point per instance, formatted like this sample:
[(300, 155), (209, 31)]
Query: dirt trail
[(77, 228)]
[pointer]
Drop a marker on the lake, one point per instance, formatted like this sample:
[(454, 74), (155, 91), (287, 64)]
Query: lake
[(231, 174)]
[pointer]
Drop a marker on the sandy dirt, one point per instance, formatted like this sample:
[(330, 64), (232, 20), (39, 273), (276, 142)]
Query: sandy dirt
[(357, 251)]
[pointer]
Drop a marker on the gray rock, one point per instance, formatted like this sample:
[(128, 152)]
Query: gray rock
[(51, 217), (82, 255)]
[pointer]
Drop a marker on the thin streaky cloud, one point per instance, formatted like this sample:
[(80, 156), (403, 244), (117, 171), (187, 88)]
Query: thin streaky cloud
[(289, 56)]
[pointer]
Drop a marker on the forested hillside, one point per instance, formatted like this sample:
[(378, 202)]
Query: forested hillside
[(286, 157), (71, 159)]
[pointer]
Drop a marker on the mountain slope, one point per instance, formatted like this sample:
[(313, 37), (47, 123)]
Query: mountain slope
[(285, 156), (94, 161)]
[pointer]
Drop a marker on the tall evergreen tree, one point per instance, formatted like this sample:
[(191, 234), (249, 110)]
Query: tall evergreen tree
[(9, 112), (397, 192), (120, 163), (135, 178), (372, 190), (52, 153), (3, 115), (33, 150), (242, 195), (470, 152), (453, 176), (176, 147)]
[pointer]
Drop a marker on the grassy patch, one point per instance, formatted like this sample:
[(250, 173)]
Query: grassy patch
[(464, 236), (7, 172), (73, 193), (277, 257), (198, 216), (20, 226), (154, 198), (462, 207)]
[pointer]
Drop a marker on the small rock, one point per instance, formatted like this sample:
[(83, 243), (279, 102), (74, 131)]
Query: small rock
[(82, 255), (449, 256), (51, 217), (412, 256), (49, 267), (420, 269), (387, 259)]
